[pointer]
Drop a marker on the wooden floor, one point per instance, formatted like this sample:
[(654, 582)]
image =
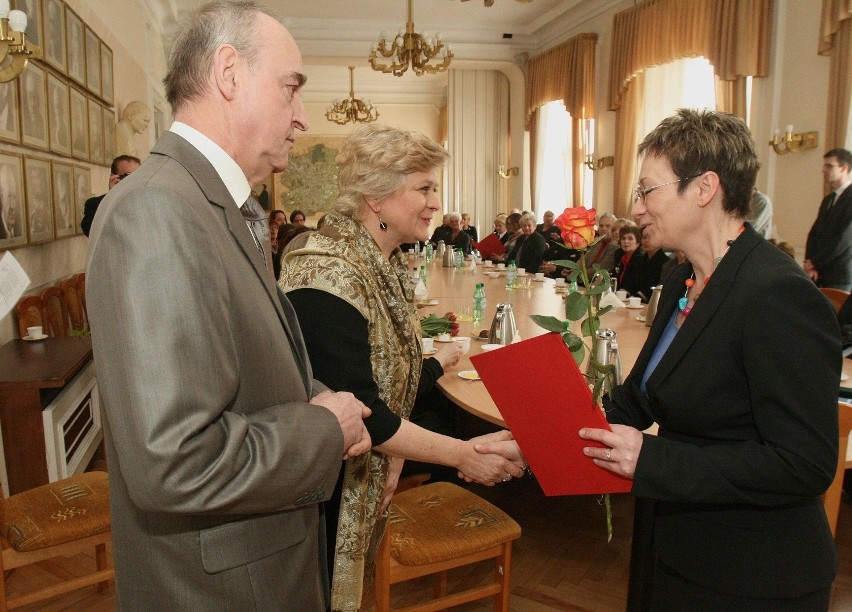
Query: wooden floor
[(561, 562)]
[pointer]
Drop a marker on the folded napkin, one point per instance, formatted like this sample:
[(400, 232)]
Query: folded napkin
[(610, 299)]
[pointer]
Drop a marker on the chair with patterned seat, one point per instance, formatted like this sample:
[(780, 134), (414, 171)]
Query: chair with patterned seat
[(73, 303), (63, 518), (55, 312), (30, 311), (441, 526)]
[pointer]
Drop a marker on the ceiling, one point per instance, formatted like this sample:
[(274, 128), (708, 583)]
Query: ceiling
[(335, 33)]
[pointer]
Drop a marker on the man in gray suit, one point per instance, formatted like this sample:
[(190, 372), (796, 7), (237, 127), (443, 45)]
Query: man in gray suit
[(220, 444)]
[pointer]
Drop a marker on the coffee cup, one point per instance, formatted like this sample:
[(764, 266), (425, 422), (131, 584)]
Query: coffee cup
[(539, 276), (635, 302), (35, 331), (560, 281), (428, 344), (522, 272), (621, 294), (464, 342), (501, 266)]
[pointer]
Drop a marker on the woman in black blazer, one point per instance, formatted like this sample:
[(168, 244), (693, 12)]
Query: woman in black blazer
[(740, 371), (528, 251)]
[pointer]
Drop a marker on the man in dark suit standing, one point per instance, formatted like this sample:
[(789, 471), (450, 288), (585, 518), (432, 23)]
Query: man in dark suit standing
[(828, 253), (121, 167), (220, 442)]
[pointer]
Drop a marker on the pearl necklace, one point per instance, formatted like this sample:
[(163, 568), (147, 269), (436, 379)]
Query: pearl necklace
[(683, 303)]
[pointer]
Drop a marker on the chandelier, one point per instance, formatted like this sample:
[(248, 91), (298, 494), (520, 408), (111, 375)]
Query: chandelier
[(13, 43), (351, 109), (411, 50)]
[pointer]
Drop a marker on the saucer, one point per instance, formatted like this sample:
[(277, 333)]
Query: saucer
[(469, 375), (429, 353), (445, 341), (35, 339), (429, 302), (635, 307)]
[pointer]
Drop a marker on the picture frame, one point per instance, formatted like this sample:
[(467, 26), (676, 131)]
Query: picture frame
[(59, 115), (96, 142), (33, 106), (79, 124), (82, 192), (54, 34), (64, 210), (106, 74), (35, 28), (93, 62), (108, 135), (13, 215), (39, 199), (10, 127), (75, 32)]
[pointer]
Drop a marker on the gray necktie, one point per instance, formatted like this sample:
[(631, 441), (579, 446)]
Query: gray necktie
[(256, 220), (831, 198)]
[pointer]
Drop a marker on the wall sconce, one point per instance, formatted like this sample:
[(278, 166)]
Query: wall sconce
[(505, 172), (793, 142), (602, 162), (13, 43)]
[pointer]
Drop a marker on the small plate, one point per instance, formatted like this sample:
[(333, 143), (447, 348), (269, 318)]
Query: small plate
[(35, 339), (481, 338), (445, 341), (469, 375), (538, 280), (429, 302), (635, 307), (429, 353)]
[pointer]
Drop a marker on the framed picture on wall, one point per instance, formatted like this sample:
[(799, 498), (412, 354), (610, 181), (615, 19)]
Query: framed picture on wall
[(34, 23), (33, 96), (96, 135), (106, 73), (39, 201), (54, 34), (10, 130), (93, 62), (109, 135), (64, 211), (13, 217), (79, 125), (75, 31), (59, 115), (82, 192)]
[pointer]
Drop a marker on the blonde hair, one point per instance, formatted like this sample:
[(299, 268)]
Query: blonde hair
[(374, 161)]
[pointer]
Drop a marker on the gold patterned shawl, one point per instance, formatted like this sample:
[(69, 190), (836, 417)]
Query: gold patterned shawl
[(343, 259)]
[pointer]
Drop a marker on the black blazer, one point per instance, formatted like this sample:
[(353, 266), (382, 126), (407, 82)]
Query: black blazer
[(528, 252), (829, 244), (89, 210), (746, 401)]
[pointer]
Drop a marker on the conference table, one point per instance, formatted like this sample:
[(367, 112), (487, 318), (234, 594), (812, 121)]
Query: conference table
[(452, 290)]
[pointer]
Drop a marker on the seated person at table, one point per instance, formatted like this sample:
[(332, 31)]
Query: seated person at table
[(500, 228), (529, 249), (513, 232), (457, 238), (547, 229), (670, 265), (442, 232), (468, 229), (629, 237), (643, 271)]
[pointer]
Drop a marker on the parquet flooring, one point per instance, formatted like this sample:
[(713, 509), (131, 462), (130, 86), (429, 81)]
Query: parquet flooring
[(561, 562)]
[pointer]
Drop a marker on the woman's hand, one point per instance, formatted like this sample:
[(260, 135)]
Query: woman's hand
[(497, 459), (621, 452), (393, 480), (448, 354), (547, 267)]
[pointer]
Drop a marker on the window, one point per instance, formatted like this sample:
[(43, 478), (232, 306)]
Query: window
[(553, 159), (684, 83)]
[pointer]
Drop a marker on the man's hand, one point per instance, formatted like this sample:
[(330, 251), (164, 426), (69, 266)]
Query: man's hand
[(810, 270), (350, 413)]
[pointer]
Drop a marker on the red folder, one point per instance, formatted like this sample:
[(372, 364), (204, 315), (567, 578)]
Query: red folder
[(545, 401), (490, 246)]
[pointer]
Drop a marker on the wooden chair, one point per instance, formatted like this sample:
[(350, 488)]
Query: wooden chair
[(62, 518), (440, 526), (80, 281), (55, 312), (837, 296), (30, 310), (831, 498), (73, 303)]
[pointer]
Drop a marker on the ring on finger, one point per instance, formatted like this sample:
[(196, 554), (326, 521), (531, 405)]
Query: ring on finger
[(608, 454)]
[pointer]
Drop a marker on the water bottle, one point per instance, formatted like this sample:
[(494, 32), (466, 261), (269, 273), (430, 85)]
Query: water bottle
[(479, 303), (573, 288), (511, 275), (459, 257), (423, 274), (416, 250), (428, 252)]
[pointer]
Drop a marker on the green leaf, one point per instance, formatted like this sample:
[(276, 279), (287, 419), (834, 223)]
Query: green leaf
[(589, 327), (566, 263), (605, 370), (579, 353), (576, 306), (549, 323), (604, 310), (572, 341)]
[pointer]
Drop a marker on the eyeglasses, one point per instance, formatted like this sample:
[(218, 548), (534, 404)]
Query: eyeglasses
[(642, 192)]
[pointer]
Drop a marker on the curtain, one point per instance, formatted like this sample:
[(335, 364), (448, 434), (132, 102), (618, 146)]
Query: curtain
[(836, 42), (733, 34), (566, 72)]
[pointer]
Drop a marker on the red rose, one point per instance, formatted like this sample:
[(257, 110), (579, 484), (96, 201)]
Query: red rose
[(578, 226)]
